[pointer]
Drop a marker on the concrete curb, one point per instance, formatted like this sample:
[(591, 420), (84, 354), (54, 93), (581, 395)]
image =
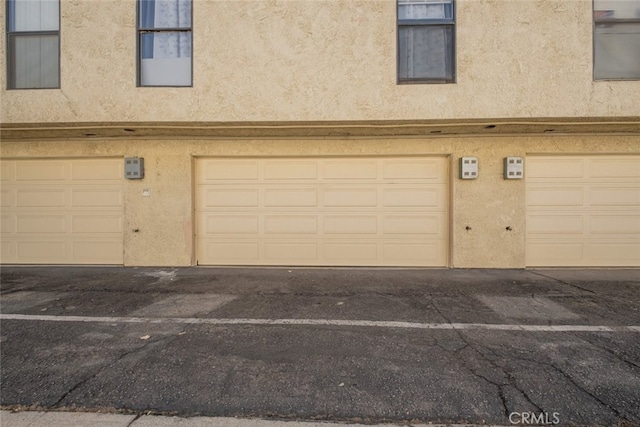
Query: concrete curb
[(88, 419)]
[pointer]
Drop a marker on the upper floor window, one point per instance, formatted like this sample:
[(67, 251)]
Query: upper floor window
[(426, 41), (164, 43), (33, 44), (616, 39)]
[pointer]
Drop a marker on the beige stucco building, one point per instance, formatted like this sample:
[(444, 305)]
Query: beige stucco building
[(295, 141)]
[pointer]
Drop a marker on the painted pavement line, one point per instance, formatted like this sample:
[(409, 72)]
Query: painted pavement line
[(325, 322)]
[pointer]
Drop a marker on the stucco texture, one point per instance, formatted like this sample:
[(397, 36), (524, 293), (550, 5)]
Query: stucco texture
[(304, 60), (488, 205)]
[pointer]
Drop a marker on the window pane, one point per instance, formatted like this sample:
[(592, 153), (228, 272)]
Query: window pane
[(425, 9), (165, 14), (426, 52), (617, 51), (34, 15), (166, 45), (34, 62), (165, 59)]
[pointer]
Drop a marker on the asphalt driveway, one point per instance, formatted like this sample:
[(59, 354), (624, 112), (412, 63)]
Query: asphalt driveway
[(361, 345)]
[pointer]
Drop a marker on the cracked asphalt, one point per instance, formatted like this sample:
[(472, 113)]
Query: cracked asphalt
[(145, 340)]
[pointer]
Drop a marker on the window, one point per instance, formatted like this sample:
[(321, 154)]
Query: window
[(426, 47), (33, 44), (616, 39), (164, 43)]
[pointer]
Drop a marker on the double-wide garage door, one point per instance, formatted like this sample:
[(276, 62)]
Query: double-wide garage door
[(62, 211), (583, 211), (322, 211)]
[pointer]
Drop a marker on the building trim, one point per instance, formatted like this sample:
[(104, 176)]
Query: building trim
[(339, 129)]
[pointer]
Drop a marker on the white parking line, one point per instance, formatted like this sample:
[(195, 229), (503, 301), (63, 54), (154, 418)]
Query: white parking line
[(326, 322)]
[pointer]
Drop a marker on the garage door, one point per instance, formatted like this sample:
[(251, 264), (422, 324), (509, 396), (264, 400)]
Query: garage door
[(62, 211), (583, 211), (322, 211)]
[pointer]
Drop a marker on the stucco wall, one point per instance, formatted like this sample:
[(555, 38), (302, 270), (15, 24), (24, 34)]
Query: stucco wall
[(305, 60), (488, 205)]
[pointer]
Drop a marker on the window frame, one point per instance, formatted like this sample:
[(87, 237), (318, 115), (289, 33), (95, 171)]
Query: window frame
[(140, 31), (409, 23), (10, 53), (610, 21)]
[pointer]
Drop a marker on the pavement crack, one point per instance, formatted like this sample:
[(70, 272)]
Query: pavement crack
[(500, 386), (102, 369), (581, 388), (511, 380), (613, 353), (136, 418)]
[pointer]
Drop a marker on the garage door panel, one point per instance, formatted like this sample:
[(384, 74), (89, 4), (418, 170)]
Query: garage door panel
[(412, 224), (350, 224), (614, 224), (414, 197), (556, 168), (544, 196), (291, 224), (101, 224), (8, 224), (350, 170), (406, 169), (7, 171), (43, 170), (349, 252), (228, 197), (350, 197), (63, 211), (558, 253), (591, 218), (8, 251), (41, 198), (353, 211), (286, 252), (407, 253), (230, 252), (95, 252), (96, 198), (615, 196), (614, 167), (231, 224), (42, 224), (96, 170), (290, 197), (555, 224), (7, 198), (290, 170), (38, 251), (614, 253), (228, 170)]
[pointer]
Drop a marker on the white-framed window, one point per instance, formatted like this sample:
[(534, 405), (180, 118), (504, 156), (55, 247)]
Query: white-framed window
[(164, 43), (426, 41), (33, 44), (616, 39)]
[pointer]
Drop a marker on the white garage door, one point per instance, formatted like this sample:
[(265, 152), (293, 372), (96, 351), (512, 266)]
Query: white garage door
[(583, 211), (322, 211), (62, 211)]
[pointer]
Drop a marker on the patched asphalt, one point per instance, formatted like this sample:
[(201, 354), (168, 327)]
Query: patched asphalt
[(340, 372)]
